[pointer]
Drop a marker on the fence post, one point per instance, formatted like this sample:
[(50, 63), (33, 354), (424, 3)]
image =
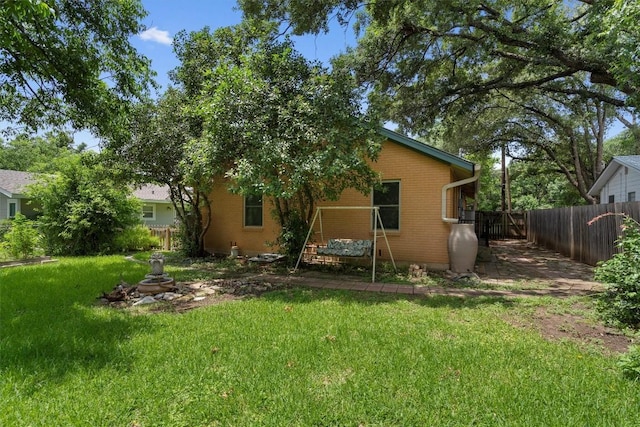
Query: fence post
[(167, 239)]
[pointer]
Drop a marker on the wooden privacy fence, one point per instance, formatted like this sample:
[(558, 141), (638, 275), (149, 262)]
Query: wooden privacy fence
[(167, 236), (566, 230)]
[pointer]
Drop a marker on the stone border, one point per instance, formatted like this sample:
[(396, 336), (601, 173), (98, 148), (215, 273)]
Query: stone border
[(28, 261)]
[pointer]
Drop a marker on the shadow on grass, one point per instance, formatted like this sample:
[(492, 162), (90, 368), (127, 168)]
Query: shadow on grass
[(302, 295), (51, 324)]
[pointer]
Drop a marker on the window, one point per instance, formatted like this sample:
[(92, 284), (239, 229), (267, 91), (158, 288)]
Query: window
[(612, 198), (388, 200), (149, 212), (12, 208), (253, 211), (631, 197)]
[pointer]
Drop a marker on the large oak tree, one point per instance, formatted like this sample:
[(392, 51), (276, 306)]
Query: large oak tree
[(542, 78)]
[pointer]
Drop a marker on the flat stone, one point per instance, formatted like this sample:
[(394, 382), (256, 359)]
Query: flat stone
[(168, 296), (146, 300)]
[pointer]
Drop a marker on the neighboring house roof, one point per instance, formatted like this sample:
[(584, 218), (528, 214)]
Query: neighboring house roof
[(428, 150), (153, 193), (13, 183), (632, 162)]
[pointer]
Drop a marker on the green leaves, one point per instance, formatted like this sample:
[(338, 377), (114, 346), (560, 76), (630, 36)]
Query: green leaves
[(620, 302), (274, 123), (68, 62), (83, 208)]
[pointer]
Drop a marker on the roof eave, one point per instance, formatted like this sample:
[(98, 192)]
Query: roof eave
[(428, 150)]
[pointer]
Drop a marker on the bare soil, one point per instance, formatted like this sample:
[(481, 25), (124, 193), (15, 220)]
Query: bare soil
[(576, 328)]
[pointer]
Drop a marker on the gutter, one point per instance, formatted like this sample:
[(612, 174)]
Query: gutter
[(475, 177)]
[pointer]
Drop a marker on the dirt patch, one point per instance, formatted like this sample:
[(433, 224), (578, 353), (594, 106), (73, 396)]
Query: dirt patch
[(576, 328), (186, 296)]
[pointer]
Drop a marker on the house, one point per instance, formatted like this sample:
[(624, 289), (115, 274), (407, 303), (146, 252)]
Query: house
[(619, 181), (157, 209), (424, 190), (12, 199)]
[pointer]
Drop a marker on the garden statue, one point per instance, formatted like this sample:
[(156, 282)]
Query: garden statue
[(157, 264), (158, 281)]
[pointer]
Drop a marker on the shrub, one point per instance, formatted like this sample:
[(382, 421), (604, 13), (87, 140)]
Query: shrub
[(21, 241), (83, 206), (5, 226), (630, 363), (292, 236), (620, 302), (136, 238)]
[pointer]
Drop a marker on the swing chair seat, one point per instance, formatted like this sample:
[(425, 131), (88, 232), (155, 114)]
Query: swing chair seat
[(347, 248)]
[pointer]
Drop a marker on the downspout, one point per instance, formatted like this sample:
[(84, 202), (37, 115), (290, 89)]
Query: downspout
[(475, 177)]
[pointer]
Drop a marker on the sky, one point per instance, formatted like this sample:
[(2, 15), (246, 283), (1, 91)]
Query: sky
[(168, 17)]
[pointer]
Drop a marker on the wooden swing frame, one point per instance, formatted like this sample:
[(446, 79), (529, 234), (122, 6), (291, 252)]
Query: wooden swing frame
[(376, 210)]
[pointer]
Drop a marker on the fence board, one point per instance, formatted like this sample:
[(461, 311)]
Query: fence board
[(567, 230), (167, 236)]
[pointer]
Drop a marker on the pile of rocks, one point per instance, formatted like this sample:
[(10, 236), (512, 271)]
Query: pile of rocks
[(124, 294)]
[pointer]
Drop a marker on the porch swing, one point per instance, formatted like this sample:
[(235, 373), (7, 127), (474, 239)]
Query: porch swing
[(349, 247)]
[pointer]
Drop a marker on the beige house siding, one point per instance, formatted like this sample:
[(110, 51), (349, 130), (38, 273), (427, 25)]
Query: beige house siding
[(227, 226), (422, 236)]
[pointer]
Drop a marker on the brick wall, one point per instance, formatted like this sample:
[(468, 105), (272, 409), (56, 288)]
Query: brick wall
[(422, 237)]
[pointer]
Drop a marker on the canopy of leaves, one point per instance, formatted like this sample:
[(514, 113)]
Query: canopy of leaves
[(156, 150), (544, 79), (279, 125), (626, 143), (35, 154), (436, 52), (83, 208), (273, 123), (69, 61)]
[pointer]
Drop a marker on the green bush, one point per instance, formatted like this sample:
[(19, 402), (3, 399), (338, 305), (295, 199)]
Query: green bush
[(630, 363), (292, 236), (136, 238), (83, 206), (5, 226), (21, 241), (620, 302)]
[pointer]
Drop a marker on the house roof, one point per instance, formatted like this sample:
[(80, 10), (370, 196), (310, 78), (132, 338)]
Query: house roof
[(152, 193), (428, 150), (632, 162), (13, 183)]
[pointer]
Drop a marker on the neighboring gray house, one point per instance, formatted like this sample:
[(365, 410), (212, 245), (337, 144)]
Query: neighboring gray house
[(157, 209), (12, 199), (619, 181)]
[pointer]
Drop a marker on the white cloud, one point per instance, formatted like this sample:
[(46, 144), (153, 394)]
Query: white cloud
[(155, 35)]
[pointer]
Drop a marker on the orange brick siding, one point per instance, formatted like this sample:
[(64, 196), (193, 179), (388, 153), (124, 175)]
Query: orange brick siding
[(422, 237)]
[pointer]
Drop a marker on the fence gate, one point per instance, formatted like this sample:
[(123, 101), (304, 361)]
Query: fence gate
[(500, 225)]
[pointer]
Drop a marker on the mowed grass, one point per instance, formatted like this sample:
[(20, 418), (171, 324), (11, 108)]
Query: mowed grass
[(298, 357)]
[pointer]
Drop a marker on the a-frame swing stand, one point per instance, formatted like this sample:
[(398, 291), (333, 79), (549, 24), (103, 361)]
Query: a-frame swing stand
[(376, 221)]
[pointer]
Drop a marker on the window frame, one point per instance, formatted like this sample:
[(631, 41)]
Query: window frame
[(631, 196), (398, 206), (153, 212), (246, 206), (13, 202)]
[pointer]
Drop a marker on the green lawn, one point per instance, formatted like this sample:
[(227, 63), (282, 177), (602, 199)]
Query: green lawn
[(297, 357)]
